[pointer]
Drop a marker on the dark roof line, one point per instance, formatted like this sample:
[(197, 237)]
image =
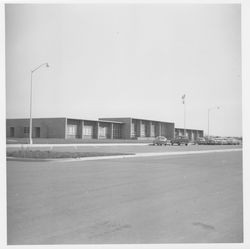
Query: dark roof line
[(141, 119)]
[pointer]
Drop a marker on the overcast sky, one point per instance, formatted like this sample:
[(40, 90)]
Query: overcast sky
[(127, 60)]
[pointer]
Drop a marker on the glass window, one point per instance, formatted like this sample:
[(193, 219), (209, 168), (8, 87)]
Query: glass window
[(116, 131), (88, 130), (143, 130), (26, 130), (153, 130), (72, 130), (103, 131), (12, 131), (133, 130)]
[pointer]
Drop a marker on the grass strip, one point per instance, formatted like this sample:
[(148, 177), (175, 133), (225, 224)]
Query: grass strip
[(57, 154)]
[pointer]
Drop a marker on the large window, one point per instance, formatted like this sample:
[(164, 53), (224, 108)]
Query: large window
[(26, 130), (152, 130), (143, 130), (72, 130), (116, 131), (133, 130), (88, 130), (103, 131), (12, 131)]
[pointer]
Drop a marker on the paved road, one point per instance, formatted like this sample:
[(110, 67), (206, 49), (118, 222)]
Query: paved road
[(178, 199)]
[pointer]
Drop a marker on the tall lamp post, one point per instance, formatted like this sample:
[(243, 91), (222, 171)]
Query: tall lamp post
[(30, 128), (208, 114), (183, 97)]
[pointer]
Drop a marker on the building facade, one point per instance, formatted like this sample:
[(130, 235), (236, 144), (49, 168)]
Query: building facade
[(104, 128), (134, 128), (192, 134)]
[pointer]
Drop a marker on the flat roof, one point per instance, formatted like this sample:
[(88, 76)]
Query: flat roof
[(90, 120), (142, 119), (98, 120), (188, 129)]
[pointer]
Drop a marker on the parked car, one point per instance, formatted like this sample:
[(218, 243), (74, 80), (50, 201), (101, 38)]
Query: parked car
[(180, 140), (201, 141), (161, 140), (212, 141), (233, 141)]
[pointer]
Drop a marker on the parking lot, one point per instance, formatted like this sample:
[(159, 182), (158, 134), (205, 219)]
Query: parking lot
[(159, 199)]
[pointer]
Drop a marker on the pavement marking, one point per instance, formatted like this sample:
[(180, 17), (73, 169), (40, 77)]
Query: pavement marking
[(149, 154)]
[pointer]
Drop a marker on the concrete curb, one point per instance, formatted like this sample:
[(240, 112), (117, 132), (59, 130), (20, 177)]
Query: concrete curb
[(154, 154)]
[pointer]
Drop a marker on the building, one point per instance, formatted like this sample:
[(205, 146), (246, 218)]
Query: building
[(103, 128), (191, 133), (134, 128)]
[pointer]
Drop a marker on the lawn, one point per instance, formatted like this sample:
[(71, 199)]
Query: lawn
[(58, 154)]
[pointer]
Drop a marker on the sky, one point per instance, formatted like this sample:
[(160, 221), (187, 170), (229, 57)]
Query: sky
[(127, 60)]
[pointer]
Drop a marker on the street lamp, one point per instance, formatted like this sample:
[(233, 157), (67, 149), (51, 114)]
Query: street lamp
[(208, 113), (184, 103), (30, 128)]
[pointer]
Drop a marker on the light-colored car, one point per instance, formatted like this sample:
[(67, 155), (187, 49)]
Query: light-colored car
[(161, 140), (233, 141)]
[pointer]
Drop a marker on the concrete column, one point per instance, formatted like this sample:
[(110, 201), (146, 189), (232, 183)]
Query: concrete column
[(97, 130), (159, 129), (165, 130), (150, 128), (140, 124), (111, 130), (65, 128), (82, 134)]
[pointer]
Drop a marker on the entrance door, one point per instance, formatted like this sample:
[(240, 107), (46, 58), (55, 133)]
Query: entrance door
[(37, 132)]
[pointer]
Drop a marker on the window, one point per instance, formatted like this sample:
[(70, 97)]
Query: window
[(116, 131), (26, 130), (87, 130), (12, 131), (72, 130), (103, 131), (143, 130), (37, 131), (152, 130), (133, 130)]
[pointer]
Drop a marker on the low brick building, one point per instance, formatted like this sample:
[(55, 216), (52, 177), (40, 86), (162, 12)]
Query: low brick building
[(104, 128)]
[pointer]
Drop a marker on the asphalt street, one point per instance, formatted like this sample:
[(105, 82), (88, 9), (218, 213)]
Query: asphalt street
[(162, 199)]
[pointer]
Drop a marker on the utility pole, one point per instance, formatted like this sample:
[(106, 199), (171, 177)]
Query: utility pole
[(184, 103)]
